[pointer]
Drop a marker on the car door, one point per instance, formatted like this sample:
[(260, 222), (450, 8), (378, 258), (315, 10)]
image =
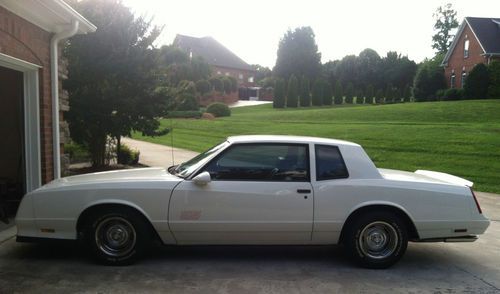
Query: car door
[(258, 194)]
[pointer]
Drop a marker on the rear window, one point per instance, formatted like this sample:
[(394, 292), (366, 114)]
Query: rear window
[(329, 163)]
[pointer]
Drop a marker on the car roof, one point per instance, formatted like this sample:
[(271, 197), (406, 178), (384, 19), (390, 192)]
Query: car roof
[(287, 139)]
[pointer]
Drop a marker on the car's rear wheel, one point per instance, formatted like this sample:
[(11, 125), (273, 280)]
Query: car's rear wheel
[(377, 239), (117, 237)]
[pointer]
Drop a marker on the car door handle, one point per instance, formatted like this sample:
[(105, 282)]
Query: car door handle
[(303, 191)]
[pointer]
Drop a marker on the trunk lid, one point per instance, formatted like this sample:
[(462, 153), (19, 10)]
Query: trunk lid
[(424, 176)]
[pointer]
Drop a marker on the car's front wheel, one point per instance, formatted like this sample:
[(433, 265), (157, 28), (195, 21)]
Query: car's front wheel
[(117, 237), (377, 239)]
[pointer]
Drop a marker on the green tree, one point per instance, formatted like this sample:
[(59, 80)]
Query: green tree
[(203, 86), (298, 54), (429, 79), (379, 96), (446, 21), (317, 93), (234, 83), (185, 96), (360, 96), (494, 73), (370, 94), (305, 95), (292, 95), (261, 72), (227, 85), (407, 93), (112, 78), (217, 84), (349, 93), (327, 93), (339, 93), (477, 82), (279, 93), (389, 94)]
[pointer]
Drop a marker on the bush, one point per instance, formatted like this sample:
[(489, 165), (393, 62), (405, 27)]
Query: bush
[(219, 109), (127, 156), (203, 87), (292, 95), (184, 114), (379, 96), (279, 93), (494, 73), (217, 84), (450, 94), (76, 152), (327, 93), (428, 80), (234, 83)]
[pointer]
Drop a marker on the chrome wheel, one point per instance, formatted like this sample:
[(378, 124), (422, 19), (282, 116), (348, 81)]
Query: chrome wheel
[(115, 236), (378, 240)]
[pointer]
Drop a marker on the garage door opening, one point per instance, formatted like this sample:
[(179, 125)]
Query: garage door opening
[(12, 161)]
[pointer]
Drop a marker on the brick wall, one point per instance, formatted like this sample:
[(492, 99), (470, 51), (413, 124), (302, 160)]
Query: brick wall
[(24, 40), (457, 63)]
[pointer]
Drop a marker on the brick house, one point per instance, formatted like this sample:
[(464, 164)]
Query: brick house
[(222, 60), (477, 41), (32, 103)]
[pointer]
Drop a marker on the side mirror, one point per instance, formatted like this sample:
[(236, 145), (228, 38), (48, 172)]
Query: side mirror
[(202, 179)]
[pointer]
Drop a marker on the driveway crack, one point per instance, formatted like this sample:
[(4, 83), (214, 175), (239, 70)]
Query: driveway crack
[(478, 278)]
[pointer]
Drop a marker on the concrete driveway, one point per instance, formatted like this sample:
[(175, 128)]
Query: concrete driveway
[(426, 268)]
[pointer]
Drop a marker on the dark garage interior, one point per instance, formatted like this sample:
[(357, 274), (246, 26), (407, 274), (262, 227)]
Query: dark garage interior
[(11, 145)]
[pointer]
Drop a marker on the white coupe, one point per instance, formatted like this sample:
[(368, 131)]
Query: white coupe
[(251, 190)]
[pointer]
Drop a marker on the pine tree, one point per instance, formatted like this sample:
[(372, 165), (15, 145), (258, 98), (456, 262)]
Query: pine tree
[(279, 94), (369, 94), (349, 93), (292, 95), (317, 93), (407, 94), (379, 96), (339, 93), (327, 93), (305, 95)]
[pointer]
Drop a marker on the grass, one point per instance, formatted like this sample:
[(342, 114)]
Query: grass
[(458, 137)]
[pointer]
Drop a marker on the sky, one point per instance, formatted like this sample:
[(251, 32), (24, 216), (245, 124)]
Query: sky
[(252, 29)]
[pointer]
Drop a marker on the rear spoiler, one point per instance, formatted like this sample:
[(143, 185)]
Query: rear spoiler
[(445, 177)]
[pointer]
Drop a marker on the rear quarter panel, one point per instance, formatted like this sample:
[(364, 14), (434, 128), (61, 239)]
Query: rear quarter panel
[(435, 209)]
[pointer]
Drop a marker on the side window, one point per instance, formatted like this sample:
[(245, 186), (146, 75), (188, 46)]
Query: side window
[(329, 163), (262, 162)]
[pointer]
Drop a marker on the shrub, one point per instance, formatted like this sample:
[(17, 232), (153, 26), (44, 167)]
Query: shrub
[(428, 80), (477, 82), (203, 87), (327, 93), (217, 84), (279, 93), (339, 93), (228, 87), (494, 74), (292, 95), (379, 96), (305, 95), (127, 156), (219, 109), (76, 152), (450, 94), (360, 99), (186, 96)]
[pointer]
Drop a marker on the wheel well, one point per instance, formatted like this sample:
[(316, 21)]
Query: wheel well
[(412, 230), (106, 207)]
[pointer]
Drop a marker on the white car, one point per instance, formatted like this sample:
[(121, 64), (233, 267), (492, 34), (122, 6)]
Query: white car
[(272, 190)]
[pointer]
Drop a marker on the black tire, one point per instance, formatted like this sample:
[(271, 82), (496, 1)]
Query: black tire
[(376, 239), (117, 236)]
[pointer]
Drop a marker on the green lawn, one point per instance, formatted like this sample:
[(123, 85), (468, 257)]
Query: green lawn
[(459, 137)]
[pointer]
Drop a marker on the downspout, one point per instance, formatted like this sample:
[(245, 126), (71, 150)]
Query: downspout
[(54, 77)]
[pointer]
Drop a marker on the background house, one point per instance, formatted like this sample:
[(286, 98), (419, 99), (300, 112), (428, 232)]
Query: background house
[(477, 41), (32, 101), (222, 60)]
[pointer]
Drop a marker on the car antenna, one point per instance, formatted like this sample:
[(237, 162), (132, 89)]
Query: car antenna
[(172, 139)]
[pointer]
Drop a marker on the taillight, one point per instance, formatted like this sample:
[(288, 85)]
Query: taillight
[(475, 200)]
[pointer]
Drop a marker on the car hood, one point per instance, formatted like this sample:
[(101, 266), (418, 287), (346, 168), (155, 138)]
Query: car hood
[(118, 176)]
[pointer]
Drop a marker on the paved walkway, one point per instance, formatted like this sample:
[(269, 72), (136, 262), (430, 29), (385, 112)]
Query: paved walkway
[(241, 103), (158, 155)]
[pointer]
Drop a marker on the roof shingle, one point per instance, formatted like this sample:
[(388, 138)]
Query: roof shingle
[(212, 51), (487, 31)]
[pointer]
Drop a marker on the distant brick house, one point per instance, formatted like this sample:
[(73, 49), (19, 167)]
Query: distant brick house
[(222, 60), (477, 41), (32, 101)]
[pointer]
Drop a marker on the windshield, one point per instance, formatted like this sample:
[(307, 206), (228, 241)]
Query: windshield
[(185, 169)]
